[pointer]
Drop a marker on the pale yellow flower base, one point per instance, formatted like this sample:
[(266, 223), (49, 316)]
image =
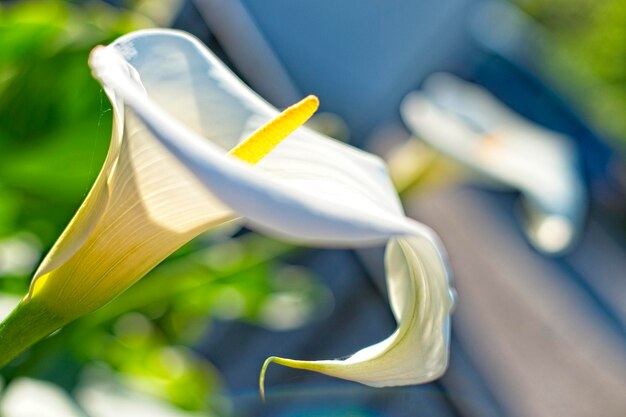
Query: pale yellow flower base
[(33, 319)]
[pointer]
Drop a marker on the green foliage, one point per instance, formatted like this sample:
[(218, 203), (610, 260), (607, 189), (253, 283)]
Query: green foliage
[(592, 37), (55, 125), (54, 119)]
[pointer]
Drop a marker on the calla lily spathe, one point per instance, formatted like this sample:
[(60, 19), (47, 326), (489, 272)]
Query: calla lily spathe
[(467, 123), (168, 177)]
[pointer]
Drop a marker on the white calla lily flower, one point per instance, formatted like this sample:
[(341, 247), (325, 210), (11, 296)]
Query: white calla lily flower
[(467, 123), (169, 176)]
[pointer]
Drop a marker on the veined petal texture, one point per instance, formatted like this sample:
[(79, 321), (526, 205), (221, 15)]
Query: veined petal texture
[(345, 194), (311, 189)]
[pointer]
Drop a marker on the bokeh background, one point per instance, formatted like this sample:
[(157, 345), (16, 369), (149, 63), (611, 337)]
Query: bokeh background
[(533, 335)]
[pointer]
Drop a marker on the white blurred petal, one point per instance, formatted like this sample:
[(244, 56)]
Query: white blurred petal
[(104, 400), (27, 397), (18, 254), (7, 304), (468, 124)]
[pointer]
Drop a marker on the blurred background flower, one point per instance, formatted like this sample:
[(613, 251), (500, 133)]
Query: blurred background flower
[(533, 336), (468, 124)]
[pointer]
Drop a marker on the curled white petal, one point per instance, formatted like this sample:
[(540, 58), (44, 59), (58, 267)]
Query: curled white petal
[(421, 300)]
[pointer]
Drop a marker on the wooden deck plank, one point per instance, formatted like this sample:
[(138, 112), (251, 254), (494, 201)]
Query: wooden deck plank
[(546, 345)]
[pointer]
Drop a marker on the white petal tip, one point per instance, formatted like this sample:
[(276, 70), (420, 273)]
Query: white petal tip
[(552, 234)]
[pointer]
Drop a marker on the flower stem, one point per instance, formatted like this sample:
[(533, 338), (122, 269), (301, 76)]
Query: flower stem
[(27, 324)]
